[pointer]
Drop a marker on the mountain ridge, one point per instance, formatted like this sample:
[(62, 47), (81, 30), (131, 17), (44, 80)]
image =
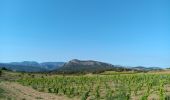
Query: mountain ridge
[(88, 66), (72, 66)]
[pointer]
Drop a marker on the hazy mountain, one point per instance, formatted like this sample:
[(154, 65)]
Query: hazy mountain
[(26, 63), (22, 68), (52, 65), (32, 66), (142, 68)]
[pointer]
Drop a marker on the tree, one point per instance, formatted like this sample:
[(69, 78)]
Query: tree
[(3, 68), (0, 72)]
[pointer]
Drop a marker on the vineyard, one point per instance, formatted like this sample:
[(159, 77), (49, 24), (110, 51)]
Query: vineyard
[(104, 87)]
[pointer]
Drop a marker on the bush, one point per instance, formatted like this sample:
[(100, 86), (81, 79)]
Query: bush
[(3, 68), (0, 72)]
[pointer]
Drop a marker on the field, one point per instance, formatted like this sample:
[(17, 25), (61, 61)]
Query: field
[(141, 86), (106, 86)]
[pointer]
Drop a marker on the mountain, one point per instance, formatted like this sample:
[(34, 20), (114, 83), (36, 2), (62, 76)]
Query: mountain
[(52, 65), (26, 63), (71, 67), (142, 68), (22, 68), (87, 66), (32, 66)]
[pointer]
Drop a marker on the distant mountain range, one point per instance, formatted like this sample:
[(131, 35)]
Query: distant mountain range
[(32, 66), (146, 68), (73, 66)]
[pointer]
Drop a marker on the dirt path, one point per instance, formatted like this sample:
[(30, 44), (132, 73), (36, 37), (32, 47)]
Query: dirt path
[(27, 93)]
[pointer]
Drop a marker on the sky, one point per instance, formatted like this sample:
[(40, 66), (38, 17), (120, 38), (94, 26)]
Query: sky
[(120, 32)]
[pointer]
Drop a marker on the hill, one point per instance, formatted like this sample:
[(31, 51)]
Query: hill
[(88, 66)]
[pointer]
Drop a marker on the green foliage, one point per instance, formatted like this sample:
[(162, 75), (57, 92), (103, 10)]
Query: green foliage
[(97, 93), (85, 95), (2, 96), (107, 87), (161, 90)]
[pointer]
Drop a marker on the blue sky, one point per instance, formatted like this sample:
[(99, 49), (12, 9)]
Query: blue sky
[(123, 32)]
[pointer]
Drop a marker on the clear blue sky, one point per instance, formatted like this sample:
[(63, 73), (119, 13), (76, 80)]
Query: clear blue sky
[(123, 32)]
